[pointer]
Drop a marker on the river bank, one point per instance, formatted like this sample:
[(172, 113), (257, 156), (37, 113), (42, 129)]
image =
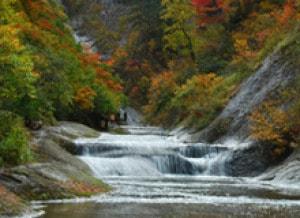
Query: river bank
[(144, 166), (55, 173)]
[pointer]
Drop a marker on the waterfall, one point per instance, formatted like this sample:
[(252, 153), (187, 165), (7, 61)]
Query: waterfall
[(148, 167), (148, 151)]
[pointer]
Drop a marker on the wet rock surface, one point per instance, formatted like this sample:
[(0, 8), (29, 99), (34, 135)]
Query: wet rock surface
[(250, 161), (288, 172), (56, 173)]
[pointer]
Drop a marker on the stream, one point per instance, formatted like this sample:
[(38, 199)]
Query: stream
[(155, 175)]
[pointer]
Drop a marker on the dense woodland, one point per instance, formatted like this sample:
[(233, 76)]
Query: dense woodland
[(177, 61), (47, 76)]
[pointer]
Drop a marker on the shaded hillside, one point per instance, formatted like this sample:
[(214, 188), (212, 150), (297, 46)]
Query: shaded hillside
[(270, 82)]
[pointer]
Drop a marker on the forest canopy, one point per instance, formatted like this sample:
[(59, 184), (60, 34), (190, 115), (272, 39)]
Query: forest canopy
[(177, 61)]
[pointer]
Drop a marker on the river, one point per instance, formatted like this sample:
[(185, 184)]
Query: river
[(154, 175)]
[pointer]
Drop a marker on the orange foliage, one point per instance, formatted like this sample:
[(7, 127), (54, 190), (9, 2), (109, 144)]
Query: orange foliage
[(89, 57), (164, 79), (269, 123), (38, 9), (110, 62), (84, 97), (43, 15), (289, 10), (104, 77), (209, 11), (45, 24), (162, 88), (263, 35)]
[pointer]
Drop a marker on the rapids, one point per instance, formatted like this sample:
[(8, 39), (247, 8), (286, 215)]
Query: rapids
[(154, 175)]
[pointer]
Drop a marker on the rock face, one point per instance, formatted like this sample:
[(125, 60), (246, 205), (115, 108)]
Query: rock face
[(276, 72), (288, 172), (65, 133), (57, 173), (251, 161), (10, 204)]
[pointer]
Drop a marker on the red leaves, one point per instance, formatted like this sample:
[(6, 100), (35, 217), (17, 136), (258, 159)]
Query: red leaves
[(103, 76), (45, 24), (91, 59), (209, 11), (289, 11), (201, 3), (38, 9)]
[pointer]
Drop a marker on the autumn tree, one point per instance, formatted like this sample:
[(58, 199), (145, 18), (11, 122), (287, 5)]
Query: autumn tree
[(195, 99), (269, 123), (162, 90), (209, 11), (17, 82), (17, 76), (179, 27)]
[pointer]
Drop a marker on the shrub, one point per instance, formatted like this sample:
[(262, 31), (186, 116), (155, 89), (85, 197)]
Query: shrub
[(160, 94), (13, 140), (274, 126)]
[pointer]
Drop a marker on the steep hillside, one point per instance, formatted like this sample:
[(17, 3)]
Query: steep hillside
[(274, 77)]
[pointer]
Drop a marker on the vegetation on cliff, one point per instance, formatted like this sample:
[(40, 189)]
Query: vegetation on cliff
[(183, 60), (277, 120)]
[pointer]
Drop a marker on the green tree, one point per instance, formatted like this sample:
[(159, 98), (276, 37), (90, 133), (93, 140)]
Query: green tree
[(17, 78), (179, 27)]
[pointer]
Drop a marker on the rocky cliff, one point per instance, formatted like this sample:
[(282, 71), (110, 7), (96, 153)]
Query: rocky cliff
[(275, 74)]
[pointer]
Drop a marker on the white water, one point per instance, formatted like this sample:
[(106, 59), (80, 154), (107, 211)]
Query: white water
[(153, 175), (148, 152), (147, 167)]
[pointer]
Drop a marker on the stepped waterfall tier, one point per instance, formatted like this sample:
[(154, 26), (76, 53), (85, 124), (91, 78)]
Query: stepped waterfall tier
[(153, 174), (148, 152)]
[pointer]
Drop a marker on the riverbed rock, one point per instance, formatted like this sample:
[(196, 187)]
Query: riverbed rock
[(56, 173), (64, 134), (10, 203), (252, 160), (287, 173)]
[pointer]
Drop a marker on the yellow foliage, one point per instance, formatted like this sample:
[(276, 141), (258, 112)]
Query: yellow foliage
[(161, 91), (270, 123), (198, 90), (84, 97)]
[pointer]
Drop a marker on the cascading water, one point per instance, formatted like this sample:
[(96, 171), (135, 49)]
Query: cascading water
[(147, 151), (155, 175), (148, 163)]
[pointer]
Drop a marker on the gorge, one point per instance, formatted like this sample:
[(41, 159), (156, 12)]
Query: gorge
[(150, 108)]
